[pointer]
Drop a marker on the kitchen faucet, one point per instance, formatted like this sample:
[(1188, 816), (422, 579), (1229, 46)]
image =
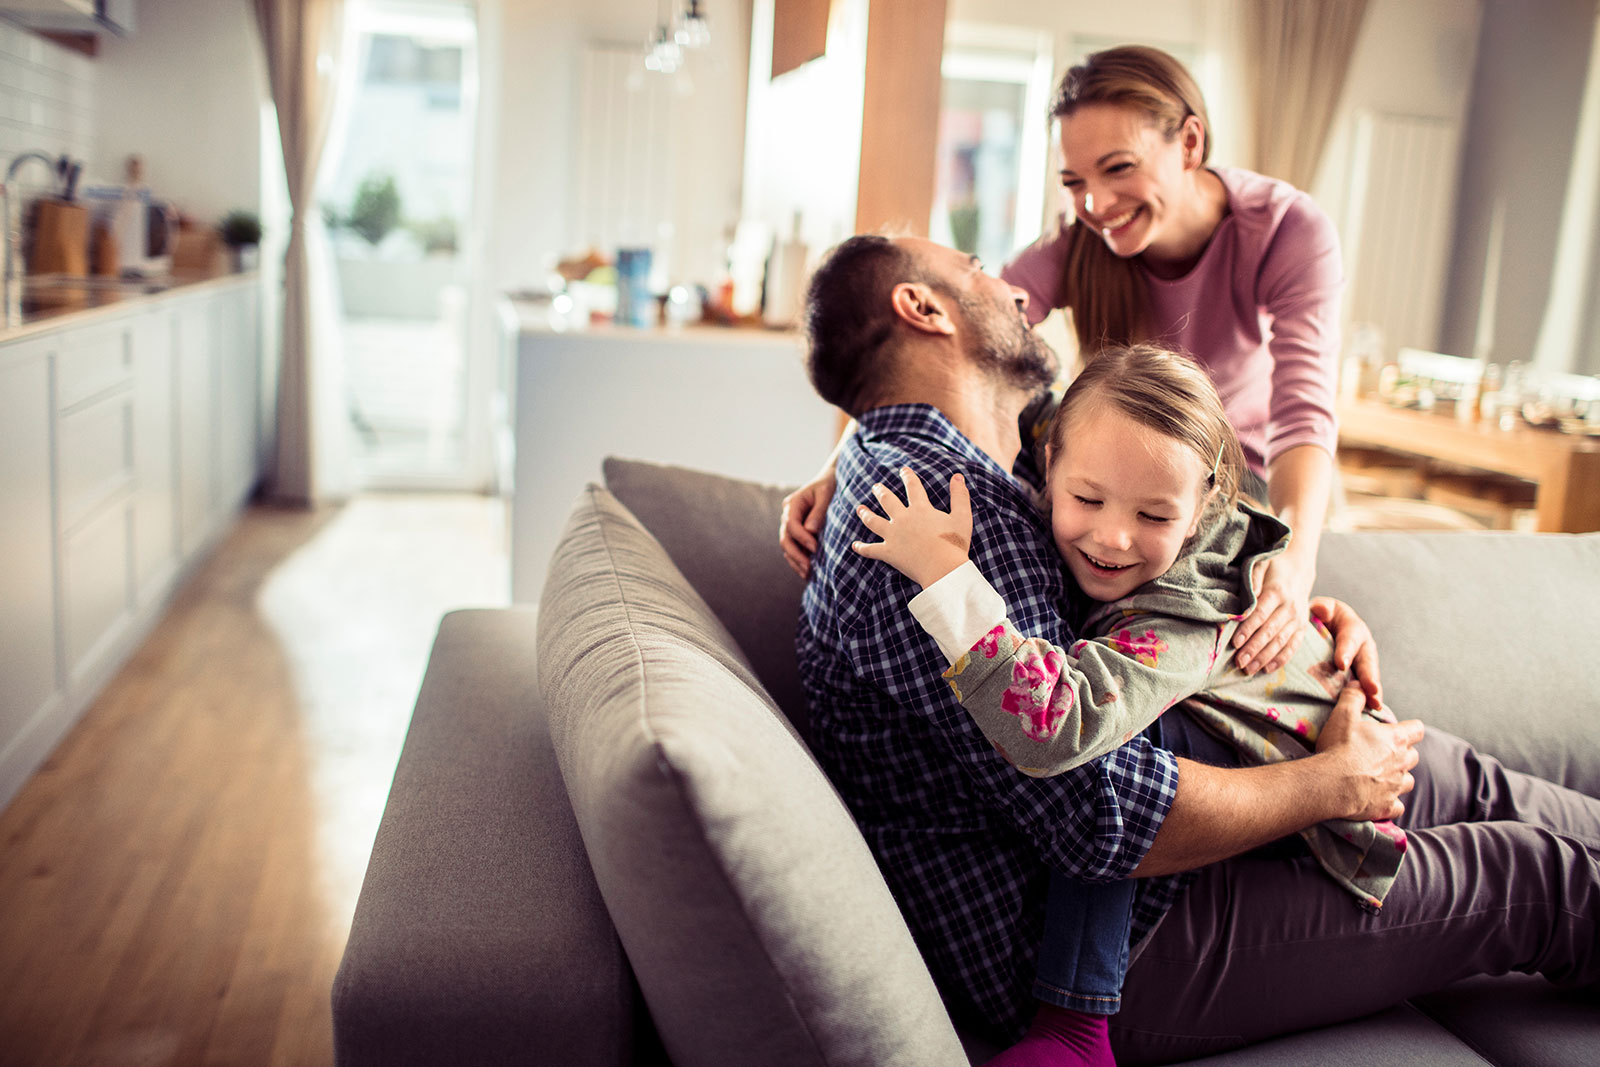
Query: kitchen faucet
[(11, 233)]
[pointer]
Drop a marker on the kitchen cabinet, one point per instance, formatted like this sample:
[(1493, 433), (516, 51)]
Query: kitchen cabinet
[(155, 456), (94, 475), (28, 650), (216, 404), (128, 442), (196, 421), (236, 319)]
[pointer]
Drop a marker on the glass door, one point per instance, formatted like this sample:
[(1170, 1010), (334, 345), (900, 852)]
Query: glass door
[(397, 195), (992, 155)]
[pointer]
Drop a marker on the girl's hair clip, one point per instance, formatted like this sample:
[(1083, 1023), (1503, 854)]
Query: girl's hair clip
[(1211, 479)]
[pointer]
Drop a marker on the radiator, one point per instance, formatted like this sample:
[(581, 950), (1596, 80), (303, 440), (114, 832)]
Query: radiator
[(1397, 233)]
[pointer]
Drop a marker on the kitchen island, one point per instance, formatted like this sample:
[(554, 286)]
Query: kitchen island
[(129, 438), (726, 399)]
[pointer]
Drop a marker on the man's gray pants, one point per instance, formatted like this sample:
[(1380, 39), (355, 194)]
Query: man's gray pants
[(1501, 874)]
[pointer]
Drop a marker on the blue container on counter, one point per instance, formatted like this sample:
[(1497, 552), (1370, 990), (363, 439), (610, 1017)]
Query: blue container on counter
[(635, 305)]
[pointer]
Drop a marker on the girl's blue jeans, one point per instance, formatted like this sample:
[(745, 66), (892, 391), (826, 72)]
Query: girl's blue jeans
[(1083, 956)]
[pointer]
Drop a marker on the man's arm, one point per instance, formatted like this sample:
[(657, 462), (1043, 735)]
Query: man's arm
[(1360, 770)]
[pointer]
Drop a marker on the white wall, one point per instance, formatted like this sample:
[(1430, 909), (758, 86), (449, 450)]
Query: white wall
[(185, 92), (803, 131), (535, 60), (46, 99), (1413, 57)]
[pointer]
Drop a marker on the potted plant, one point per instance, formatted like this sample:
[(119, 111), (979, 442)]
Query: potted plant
[(241, 232), (375, 211)]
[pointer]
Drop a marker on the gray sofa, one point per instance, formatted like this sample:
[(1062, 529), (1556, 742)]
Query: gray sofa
[(606, 842)]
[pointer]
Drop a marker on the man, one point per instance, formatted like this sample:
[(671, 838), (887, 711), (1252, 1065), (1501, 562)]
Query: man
[(934, 359)]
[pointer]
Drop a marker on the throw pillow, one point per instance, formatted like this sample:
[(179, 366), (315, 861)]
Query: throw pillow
[(749, 906), (722, 533)]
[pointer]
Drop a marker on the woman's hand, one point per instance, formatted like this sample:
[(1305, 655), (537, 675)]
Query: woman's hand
[(1353, 646), (1269, 635), (801, 522), (920, 541)]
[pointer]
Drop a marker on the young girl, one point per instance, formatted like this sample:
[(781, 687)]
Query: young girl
[(1142, 482)]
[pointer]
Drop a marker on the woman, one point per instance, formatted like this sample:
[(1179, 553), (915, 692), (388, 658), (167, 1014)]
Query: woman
[(1239, 270)]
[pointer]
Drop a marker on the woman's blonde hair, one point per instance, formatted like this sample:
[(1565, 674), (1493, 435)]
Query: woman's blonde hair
[(1106, 292), (1167, 392)]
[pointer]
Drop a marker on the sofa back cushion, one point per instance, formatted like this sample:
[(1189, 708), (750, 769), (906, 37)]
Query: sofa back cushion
[(749, 906), (1490, 636), (722, 533), (1478, 632)]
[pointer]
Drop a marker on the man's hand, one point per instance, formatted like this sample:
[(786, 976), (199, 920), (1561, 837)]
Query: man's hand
[(801, 522), (920, 541), (1353, 646), (1373, 759)]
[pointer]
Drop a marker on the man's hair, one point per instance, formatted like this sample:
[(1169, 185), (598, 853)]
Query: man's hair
[(849, 318)]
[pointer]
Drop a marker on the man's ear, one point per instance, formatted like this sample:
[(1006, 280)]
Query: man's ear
[(922, 308)]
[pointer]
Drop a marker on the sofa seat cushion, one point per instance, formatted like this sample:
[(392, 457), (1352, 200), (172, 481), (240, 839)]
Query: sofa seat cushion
[(480, 935), (1520, 1020), (749, 906), (1399, 1035)]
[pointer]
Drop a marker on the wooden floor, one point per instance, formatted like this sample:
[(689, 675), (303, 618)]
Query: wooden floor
[(176, 883)]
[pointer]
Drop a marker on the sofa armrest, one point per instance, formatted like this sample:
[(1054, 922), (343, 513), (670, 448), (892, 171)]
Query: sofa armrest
[(479, 936)]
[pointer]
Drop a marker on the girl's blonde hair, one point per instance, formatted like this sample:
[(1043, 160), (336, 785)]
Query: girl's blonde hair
[(1167, 392), (1107, 293)]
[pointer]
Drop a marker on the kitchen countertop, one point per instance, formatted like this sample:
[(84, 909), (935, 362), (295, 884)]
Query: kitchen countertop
[(90, 304), (528, 316)]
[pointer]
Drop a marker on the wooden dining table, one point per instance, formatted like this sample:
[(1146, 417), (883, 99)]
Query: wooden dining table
[(1564, 467)]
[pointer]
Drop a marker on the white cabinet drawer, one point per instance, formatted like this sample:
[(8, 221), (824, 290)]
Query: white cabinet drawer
[(92, 361), (97, 594), (94, 456)]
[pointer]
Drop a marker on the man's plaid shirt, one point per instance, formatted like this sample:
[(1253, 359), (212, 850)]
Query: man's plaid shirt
[(963, 838)]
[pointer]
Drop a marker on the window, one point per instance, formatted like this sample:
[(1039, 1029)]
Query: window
[(993, 141)]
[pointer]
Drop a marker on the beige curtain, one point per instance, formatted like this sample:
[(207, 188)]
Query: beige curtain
[(1297, 53), (302, 39)]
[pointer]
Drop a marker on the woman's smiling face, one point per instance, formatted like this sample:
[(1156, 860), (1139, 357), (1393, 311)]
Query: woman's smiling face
[(1126, 179), (1123, 500)]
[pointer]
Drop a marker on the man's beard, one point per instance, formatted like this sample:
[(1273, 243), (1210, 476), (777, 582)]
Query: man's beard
[(1006, 345)]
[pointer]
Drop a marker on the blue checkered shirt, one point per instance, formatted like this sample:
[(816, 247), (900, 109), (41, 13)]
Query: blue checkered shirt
[(963, 838)]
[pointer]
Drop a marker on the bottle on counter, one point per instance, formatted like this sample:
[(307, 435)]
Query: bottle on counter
[(1489, 392), (1358, 376), (786, 276)]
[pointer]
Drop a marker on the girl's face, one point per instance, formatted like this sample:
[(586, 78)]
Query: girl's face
[(1123, 500), (1129, 182)]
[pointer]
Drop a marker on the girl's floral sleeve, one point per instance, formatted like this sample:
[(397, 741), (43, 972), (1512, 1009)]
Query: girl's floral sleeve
[(1049, 709)]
